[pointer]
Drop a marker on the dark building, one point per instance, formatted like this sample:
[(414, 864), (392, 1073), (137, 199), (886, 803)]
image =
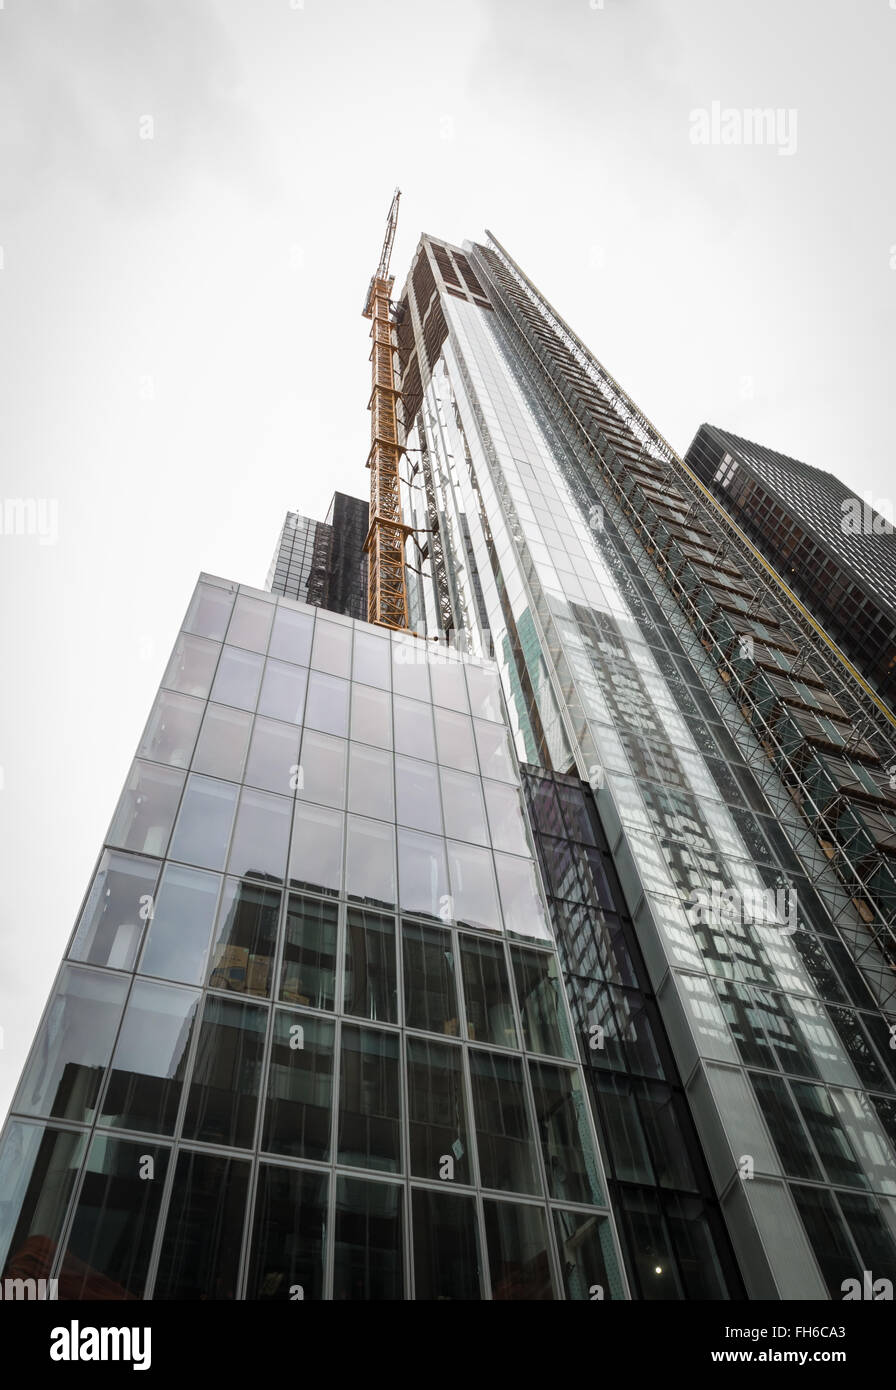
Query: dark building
[(833, 549), (323, 562)]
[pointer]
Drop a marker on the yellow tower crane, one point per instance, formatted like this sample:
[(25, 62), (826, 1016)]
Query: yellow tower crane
[(387, 595)]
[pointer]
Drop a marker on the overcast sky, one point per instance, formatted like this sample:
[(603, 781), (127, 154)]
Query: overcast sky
[(192, 200)]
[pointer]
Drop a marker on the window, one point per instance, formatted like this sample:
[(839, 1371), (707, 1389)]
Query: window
[(369, 1100), (372, 660), (413, 729), (370, 782), (322, 769), (291, 636), (422, 874), (172, 729), (147, 808), (237, 678), (326, 708), (518, 1259), (192, 666), (489, 1008), (368, 1262), (308, 969), (261, 835), (507, 1156), (243, 954), (332, 649), (521, 902), (430, 991), (463, 806), (33, 1210), (203, 826), (223, 740), (288, 1239), (371, 985), (150, 1061), (224, 1092), (250, 625), (474, 902), (119, 903), (181, 925), (273, 757), (283, 691), (437, 1112), (200, 1255), (417, 795), (371, 716), (209, 611), (300, 1087), (315, 859), (446, 1246), (561, 1111), (455, 739)]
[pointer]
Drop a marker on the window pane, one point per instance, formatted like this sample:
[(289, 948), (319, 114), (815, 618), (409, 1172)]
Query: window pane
[(315, 859), (517, 1252), (322, 769), (237, 678), (446, 1247), (172, 729), (828, 1236), (117, 907), (250, 625), (507, 1158), (539, 994), (410, 668), (422, 874), (246, 939), (521, 902), (308, 970), (273, 757), (463, 806), (371, 980), (150, 1059), (437, 1112), (495, 757), (413, 729), (372, 660), (369, 1100), (203, 825), (368, 1259), (224, 1090), (288, 1241), (192, 665), (181, 925), (561, 1114), (114, 1224), (430, 992), (417, 795), (200, 1256), (300, 1087), (371, 717), (622, 1129), (474, 901), (868, 1228), (448, 685), (223, 740), (834, 1149), (326, 708), (261, 835), (786, 1127), (484, 691), (210, 611), (332, 649), (291, 636), (370, 782), (147, 808), (455, 735), (38, 1167), (487, 993), (73, 1046), (505, 816), (587, 1258), (283, 691)]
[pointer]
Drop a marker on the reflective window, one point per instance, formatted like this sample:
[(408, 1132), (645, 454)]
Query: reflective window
[(540, 996), (114, 1223), (237, 678), (181, 925), (322, 769), (446, 1246), (273, 757), (326, 708), (150, 1061), (587, 1258), (371, 716), (485, 692), (315, 859), (371, 981), (785, 1126), (308, 969), (413, 729), (521, 901), (261, 835), (172, 729), (33, 1209), (518, 1259), (200, 1255), (448, 685), (242, 957), (495, 757), (368, 1259), (291, 636), (868, 1228), (430, 990), (203, 825), (417, 795), (119, 903), (455, 738), (370, 785), (209, 611), (507, 1157), (224, 1090), (332, 649), (192, 665), (288, 1239), (474, 902), (283, 691), (369, 1100), (487, 993), (505, 816), (437, 1112), (223, 740), (828, 1236), (372, 660), (300, 1087), (250, 625), (422, 874), (73, 1046), (828, 1135), (561, 1115), (463, 806), (410, 669), (147, 808)]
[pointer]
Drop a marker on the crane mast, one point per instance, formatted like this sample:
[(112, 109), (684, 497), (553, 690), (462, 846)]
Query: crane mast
[(387, 596)]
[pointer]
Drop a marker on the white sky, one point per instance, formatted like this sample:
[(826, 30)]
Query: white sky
[(182, 354)]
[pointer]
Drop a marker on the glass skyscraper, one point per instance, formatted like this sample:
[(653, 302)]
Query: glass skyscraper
[(546, 954)]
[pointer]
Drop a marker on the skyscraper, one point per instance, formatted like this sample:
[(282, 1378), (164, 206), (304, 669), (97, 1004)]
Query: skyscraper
[(323, 562), (547, 953), (833, 549)]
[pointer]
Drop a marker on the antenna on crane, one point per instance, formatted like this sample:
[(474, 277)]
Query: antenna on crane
[(387, 596)]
